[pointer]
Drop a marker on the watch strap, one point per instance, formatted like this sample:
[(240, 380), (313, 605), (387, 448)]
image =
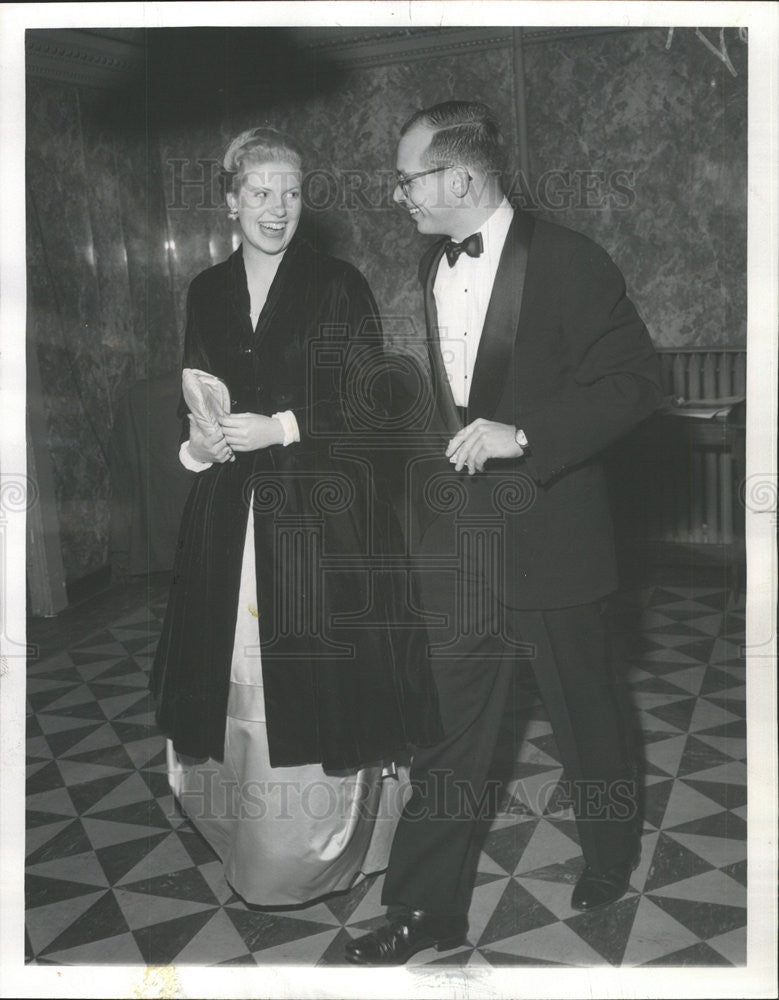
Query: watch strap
[(521, 438)]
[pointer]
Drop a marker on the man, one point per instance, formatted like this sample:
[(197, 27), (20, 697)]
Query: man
[(538, 362)]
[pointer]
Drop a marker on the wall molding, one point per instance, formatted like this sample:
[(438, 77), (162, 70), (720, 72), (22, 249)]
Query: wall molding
[(390, 45), (72, 56), (104, 60)]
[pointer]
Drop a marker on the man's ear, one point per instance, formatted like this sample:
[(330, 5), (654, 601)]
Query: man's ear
[(461, 180)]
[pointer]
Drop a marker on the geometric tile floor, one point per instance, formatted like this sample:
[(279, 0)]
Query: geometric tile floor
[(116, 875)]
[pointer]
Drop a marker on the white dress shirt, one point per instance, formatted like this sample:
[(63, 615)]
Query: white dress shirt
[(462, 294)]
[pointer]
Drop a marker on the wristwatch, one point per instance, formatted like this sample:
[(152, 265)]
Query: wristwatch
[(521, 438)]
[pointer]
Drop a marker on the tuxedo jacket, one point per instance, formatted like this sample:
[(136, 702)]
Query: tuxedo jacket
[(565, 357)]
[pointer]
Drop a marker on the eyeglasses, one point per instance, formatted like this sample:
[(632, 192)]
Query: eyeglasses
[(404, 180)]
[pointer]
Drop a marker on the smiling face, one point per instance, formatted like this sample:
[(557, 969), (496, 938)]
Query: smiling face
[(268, 205), (430, 201)]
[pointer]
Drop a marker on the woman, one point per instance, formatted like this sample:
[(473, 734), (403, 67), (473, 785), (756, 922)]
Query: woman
[(283, 695)]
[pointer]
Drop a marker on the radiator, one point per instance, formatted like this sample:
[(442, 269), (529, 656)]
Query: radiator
[(690, 490), (695, 374)]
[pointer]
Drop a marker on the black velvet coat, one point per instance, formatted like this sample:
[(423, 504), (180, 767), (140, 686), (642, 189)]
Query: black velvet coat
[(345, 674)]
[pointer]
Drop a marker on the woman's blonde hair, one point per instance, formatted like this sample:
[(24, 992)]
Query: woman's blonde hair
[(258, 145)]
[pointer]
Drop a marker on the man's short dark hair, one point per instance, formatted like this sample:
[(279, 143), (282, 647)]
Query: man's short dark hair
[(466, 133)]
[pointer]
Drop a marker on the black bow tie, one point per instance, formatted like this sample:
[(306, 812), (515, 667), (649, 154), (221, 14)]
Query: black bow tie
[(472, 245)]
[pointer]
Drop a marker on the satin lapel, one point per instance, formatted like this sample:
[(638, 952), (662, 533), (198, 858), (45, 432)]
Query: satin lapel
[(443, 393), (492, 367)]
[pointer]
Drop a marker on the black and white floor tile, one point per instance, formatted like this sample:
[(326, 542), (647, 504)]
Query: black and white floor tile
[(115, 874)]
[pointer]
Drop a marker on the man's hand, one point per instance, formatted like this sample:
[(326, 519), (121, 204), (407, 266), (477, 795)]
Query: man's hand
[(251, 431), (208, 447), (481, 440)]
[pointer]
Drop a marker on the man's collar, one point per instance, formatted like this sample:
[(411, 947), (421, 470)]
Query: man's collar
[(496, 222)]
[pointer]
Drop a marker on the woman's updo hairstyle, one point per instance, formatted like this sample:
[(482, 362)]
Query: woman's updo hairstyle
[(258, 145)]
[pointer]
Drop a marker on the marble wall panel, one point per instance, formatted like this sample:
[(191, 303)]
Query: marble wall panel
[(639, 146), (199, 230), (63, 311), (669, 127), (98, 288), (146, 240), (121, 353)]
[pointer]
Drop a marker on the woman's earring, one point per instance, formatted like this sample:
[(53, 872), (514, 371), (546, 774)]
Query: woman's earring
[(233, 213)]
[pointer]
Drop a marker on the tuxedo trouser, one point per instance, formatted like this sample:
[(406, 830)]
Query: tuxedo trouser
[(434, 855)]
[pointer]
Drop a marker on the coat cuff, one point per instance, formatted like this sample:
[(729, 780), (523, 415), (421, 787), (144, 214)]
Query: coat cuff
[(189, 462), (289, 425)]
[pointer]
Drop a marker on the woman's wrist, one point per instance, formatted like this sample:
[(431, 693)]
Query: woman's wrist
[(190, 457), (289, 426), (278, 428)]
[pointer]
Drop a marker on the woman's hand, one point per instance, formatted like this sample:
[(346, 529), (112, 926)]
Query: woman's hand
[(251, 431), (208, 447)]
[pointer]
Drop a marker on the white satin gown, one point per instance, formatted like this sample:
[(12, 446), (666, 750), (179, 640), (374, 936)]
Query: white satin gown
[(285, 835)]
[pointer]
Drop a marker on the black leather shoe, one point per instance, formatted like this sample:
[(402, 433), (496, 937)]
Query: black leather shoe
[(595, 889), (403, 935)]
